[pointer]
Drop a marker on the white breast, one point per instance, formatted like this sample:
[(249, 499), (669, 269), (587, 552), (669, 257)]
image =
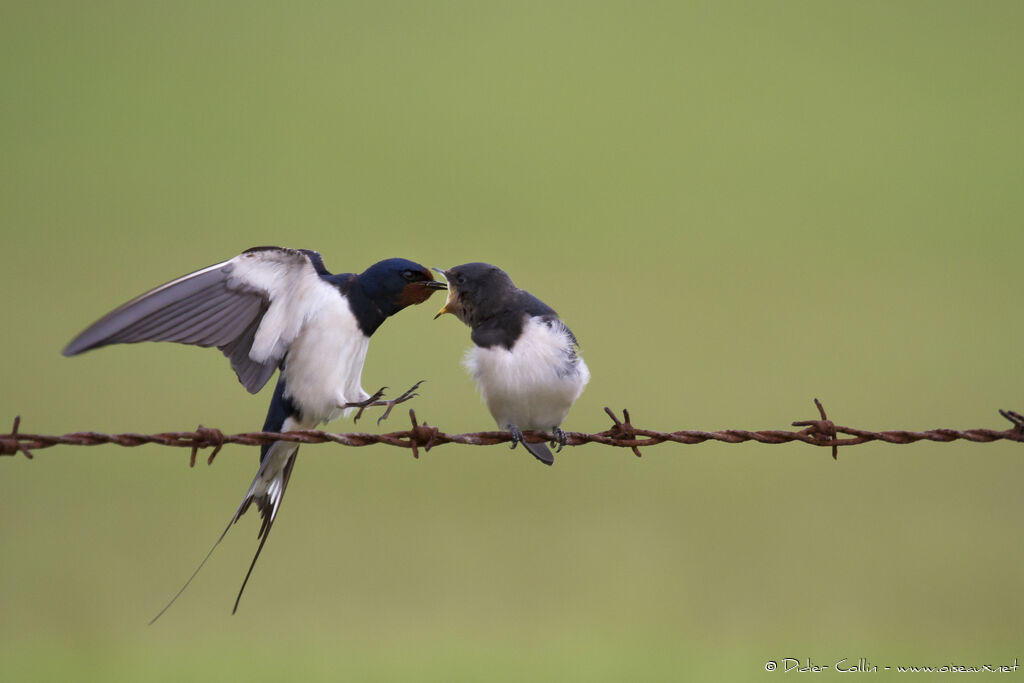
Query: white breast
[(534, 384), (325, 362)]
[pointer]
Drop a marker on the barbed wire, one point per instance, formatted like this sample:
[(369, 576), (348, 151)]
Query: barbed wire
[(622, 434)]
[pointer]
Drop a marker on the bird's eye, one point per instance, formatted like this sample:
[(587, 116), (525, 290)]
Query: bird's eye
[(409, 275)]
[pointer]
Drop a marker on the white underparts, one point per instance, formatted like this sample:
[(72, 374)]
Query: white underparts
[(534, 384), (325, 362)]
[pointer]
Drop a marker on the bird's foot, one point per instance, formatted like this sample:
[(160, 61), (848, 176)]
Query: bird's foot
[(537, 450), (363, 405), (559, 439), (409, 394), (375, 401), (517, 435)]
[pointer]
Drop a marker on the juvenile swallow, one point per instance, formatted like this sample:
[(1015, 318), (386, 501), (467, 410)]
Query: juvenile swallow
[(525, 360), (266, 309)]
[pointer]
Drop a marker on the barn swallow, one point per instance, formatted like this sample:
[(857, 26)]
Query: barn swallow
[(525, 360), (266, 309)]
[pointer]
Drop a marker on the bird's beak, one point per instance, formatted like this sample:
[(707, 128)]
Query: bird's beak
[(434, 284), (444, 309)]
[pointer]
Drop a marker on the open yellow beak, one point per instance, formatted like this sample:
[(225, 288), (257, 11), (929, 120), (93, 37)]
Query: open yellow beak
[(448, 304), (449, 300)]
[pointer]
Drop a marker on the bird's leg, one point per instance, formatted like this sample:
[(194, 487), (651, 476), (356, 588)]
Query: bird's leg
[(517, 435), (560, 438), (375, 401)]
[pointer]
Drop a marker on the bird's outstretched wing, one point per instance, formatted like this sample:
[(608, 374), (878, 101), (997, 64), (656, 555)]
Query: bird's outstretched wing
[(250, 307)]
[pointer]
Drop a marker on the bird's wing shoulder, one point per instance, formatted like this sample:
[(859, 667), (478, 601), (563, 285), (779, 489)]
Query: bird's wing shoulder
[(251, 307), (547, 315), (534, 306), (505, 329)]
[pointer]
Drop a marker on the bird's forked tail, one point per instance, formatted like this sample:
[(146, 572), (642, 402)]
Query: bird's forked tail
[(266, 491)]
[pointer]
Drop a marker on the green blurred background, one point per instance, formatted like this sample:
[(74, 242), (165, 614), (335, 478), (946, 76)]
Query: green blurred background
[(736, 206)]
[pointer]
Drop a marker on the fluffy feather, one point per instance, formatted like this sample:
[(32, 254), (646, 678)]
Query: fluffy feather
[(535, 383)]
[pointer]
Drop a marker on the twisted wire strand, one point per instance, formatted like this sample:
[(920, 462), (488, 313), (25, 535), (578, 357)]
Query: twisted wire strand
[(622, 434)]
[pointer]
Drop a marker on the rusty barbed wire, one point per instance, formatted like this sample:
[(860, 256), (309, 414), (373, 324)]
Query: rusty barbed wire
[(622, 434)]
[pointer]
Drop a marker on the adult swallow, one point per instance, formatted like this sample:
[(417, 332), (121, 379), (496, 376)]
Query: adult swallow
[(525, 360), (266, 309)]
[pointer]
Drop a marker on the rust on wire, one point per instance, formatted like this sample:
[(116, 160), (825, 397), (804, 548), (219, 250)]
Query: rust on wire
[(623, 431), (13, 443), (824, 429), (622, 434), (206, 438)]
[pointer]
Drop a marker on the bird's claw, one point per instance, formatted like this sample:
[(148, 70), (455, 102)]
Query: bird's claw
[(517, 435), (559, 438), (363, 405), (377, 395), (375, 401), (409, 394)]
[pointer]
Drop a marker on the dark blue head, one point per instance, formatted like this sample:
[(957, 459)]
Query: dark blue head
[(389, 286)]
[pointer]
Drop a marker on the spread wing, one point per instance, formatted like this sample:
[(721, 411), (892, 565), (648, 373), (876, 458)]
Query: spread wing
[(250, 307)]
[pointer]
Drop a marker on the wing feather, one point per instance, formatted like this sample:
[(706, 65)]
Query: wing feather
[(250, 373), (212, 325), (251, 307), (187, 324)]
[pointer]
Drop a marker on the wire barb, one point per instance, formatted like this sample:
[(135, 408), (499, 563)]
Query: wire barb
[(823, 429), (822, 432), (623, 431), (11, 444), (206, 437), (1015, 418), (421, 435)]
